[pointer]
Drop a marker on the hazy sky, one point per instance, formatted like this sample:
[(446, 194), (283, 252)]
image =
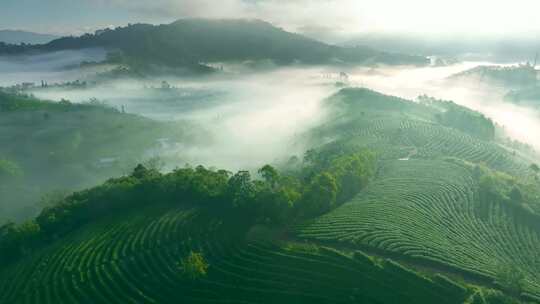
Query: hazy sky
[(435, 16)]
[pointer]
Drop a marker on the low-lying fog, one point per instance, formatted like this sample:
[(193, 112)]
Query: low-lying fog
[(519, 122), (51, 67), (256, 117)]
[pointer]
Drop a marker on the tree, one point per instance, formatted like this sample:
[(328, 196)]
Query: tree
[(16, 241), (155, 163), (194, 266), (270, 175), (53, 198), (241, 189), (9, 248), (320, 195), (140, 171), (352, 172), (275, 205), (206, 185)]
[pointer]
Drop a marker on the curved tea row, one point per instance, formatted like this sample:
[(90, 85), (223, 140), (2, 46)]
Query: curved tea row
[(136, 259), (428, 210)]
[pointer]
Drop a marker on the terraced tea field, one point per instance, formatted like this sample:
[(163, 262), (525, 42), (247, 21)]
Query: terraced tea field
[(395, 138), (136, 259), (428, 209), (398, 128), (422, 205)]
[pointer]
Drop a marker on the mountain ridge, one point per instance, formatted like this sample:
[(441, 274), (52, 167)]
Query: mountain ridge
[(195, 42)]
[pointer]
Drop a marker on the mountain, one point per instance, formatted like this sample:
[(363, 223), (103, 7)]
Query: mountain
[(192, 42), (17, 37)]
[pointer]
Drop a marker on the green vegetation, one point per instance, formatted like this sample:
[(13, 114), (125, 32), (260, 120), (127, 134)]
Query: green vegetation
[(510, 279), (497, 187), (396, 128), (334, 179), (53, 146), (179, 44), (424, 183), (275, 199), (517, 76), (461, 118), (194, 266), (414, 210), (429, 202), (133, 257)]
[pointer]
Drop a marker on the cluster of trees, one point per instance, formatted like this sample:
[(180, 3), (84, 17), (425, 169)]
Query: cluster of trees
[(461, 118), (273, 198), (498, 187), (16, 101), (11, 49), (333, 177), (468, 121)]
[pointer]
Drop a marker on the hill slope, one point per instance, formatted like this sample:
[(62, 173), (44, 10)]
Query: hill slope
[(68, 146), (517, 76), (137, 259), (435, 197), (191, 42), (432, 200)]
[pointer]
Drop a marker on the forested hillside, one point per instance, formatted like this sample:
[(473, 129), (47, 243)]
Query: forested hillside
[(192, 43), (53, 148)]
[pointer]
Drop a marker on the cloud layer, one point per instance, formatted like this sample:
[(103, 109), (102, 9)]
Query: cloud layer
[(483, 16), (310, 16)]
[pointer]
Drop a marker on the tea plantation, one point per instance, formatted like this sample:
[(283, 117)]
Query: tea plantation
[(429, 210), (396, 202), (136, 259)]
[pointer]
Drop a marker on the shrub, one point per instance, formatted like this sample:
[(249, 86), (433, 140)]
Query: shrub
[(194, 266)]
